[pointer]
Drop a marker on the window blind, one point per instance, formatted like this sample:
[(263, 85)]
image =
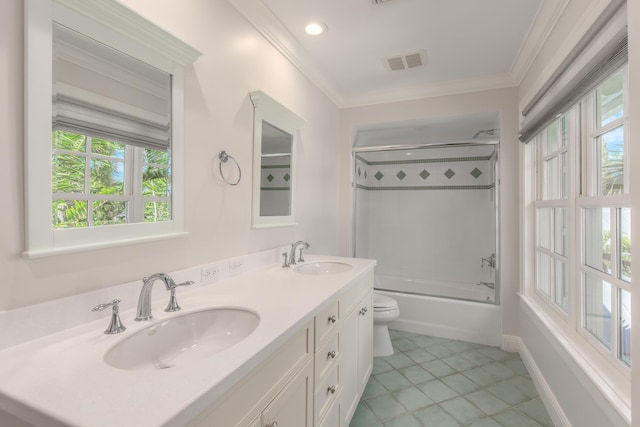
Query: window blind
[(602, 50), (104, 93)]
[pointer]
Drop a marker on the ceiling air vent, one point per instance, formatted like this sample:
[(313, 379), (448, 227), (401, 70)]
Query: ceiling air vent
[(406, 61)]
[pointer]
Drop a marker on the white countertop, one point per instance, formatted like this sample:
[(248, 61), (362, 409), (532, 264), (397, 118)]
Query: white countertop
[(62, 379)]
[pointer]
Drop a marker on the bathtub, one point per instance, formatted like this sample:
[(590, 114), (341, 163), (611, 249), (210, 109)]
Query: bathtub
[(459, 315), (469, 291)]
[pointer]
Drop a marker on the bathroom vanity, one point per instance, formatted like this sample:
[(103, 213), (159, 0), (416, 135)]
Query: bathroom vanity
[(305, 364)]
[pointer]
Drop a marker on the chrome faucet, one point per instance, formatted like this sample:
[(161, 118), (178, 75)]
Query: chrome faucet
[(292, 254), (115, 325), (144, 301)]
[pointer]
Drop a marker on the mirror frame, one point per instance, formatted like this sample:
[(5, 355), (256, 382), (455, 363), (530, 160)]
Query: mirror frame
[(269, 110), (113, 24)]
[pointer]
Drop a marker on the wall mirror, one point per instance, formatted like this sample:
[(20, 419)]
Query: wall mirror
[(275, 136)]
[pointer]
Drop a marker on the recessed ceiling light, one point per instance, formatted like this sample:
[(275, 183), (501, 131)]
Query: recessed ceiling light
[(315, 28)]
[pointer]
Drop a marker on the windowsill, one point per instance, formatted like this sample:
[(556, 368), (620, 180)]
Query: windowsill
[(102, 245), (599, 375)]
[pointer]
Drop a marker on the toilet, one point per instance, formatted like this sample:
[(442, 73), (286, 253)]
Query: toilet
[(385, 311)]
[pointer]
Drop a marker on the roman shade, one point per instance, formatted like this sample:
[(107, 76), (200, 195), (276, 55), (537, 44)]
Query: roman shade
[(602, 50), (101, 92)]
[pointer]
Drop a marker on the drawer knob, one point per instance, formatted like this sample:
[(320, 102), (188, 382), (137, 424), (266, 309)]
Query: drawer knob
[(332, 354), (333, 319), (331, 389), (273, 424)]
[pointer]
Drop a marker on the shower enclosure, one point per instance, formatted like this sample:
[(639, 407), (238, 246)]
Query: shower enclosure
[(428, 215)]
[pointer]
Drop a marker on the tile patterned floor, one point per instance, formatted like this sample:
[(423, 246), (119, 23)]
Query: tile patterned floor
[(436, 382)]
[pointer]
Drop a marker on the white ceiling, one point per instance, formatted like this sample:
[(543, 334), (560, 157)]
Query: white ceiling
[(470, 44)]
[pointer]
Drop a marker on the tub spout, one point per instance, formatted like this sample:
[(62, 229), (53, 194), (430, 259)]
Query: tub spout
[(487, 284)]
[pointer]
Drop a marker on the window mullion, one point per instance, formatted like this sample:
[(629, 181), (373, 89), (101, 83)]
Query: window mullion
[(136, 168)]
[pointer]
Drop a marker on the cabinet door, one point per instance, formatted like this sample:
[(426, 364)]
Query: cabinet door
[(349, 366), (365, 341), (293, 406)]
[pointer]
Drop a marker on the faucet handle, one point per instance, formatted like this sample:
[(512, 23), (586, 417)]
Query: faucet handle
[(285, 263), (173, 301), (304, 246), (115, 325)]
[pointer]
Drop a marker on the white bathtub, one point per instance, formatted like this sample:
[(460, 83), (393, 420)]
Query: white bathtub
[(470, 291), (452, 317)]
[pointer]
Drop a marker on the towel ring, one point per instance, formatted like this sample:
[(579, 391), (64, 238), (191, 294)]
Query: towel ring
[(224, 157)]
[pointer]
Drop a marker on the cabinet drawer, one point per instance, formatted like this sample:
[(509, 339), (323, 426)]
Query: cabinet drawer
[(327, 357), (326, 323), (352, 296), (332, 419), (326, 393)]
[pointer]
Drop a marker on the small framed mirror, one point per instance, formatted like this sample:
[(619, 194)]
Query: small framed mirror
[(275, 137)]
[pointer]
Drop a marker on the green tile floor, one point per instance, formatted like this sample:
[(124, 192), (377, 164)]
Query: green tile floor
[(437, 382)]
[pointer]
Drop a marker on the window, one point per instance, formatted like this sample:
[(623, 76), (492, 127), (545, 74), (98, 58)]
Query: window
[(582, 219), (104, 159), (97, 182), (552, 213)]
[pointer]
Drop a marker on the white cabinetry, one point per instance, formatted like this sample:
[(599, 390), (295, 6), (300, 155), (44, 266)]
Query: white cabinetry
[(315, 379), (356, 343), (292, 406), (328, 385), (280, 387)]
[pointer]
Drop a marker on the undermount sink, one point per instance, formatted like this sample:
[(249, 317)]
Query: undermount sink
[(322, 267), (183, 339)]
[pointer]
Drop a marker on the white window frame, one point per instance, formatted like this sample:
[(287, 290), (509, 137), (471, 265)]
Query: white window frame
[(560, 202), (113, 24), (588, 199), (603, 360)]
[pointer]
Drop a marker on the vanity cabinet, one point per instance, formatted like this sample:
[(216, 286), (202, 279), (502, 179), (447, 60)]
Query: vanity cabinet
[(292, 406), (315, 379), (326, 360), (279, 389), (356, 344)]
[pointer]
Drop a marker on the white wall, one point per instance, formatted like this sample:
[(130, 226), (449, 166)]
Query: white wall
[(503, 101), (219, 115)]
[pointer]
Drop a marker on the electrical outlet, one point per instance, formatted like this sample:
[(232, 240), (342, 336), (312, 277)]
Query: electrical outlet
[(209, 273), (236, 266)]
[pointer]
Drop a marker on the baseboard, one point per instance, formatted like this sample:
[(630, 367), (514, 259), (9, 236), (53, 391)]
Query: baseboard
[(552, 405), (510, 343)]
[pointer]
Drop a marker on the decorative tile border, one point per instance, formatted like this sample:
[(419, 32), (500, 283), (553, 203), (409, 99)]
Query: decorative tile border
[(275, 177), (450, 173)]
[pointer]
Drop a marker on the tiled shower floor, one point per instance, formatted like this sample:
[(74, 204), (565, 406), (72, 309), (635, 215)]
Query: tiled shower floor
[(436, 382)]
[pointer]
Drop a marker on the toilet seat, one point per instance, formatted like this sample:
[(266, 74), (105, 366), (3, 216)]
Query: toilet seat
[(383, 302)]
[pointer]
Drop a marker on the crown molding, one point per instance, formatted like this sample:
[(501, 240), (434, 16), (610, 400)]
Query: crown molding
[(263, 20), (542, 25)]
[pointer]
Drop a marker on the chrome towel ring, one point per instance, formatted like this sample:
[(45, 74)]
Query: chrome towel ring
[(224, 157)]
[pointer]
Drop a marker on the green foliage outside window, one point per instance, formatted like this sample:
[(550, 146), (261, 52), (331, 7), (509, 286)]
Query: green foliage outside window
[(105, 167)]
